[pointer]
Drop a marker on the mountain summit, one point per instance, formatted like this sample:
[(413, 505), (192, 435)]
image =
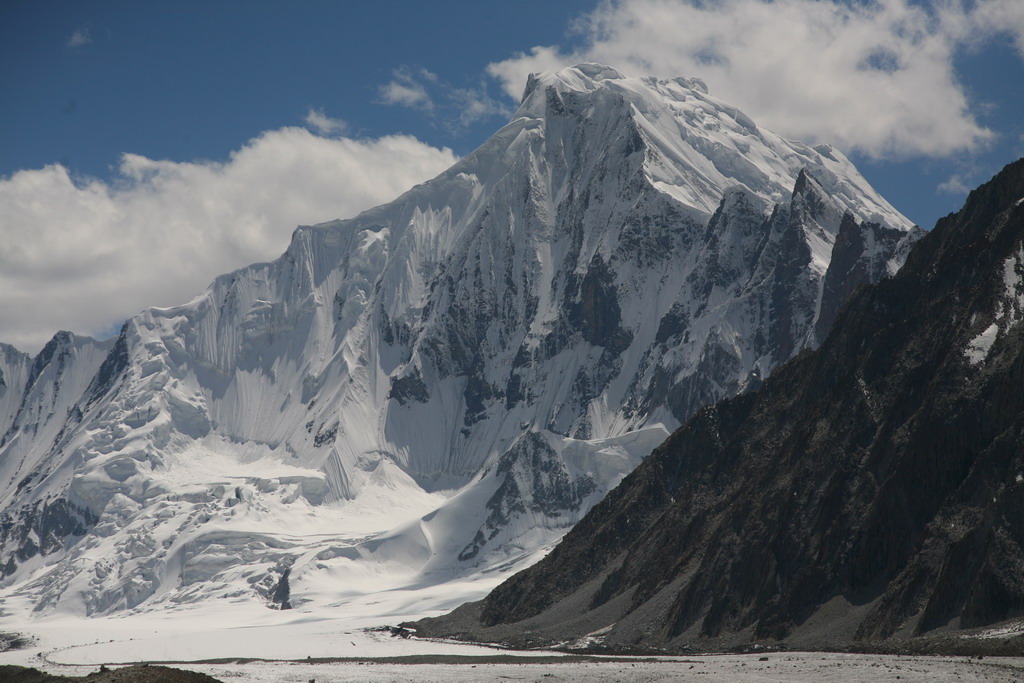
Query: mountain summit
[(446, 382)]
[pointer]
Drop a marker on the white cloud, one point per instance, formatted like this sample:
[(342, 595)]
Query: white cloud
[(82, 254), (80, 37), (994, 17), (455, 108), (474, 104), (406, 95), (956, 185), (323, 124), (512, 73), (406, 89), (875, 76)]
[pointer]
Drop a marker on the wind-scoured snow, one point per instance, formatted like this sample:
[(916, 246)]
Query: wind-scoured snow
[(431, 393), (1009, 309), (978, 349), (1013, 282)]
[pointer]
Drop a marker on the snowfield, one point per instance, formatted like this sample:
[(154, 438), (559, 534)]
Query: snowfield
[(65, 648), (717, 669)]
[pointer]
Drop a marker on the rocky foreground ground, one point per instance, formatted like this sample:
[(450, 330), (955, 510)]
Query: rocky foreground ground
[(128, 674)]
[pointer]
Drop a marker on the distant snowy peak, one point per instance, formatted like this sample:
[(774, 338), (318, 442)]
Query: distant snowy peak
[(697, 146), (41, 405)]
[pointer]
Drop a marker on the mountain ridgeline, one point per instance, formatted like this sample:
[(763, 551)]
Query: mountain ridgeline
[(870, 492), (522, 330)]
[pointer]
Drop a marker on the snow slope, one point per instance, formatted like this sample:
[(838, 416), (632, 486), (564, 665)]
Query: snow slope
[(444, 384)]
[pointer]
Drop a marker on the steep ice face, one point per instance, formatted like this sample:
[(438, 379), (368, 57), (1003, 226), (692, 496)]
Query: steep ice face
[(38, 446), (14, 369), (47, 407), (515, 330)]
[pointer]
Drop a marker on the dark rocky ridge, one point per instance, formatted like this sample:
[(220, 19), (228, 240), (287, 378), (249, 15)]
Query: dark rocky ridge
[(849, 268), (871, 492)]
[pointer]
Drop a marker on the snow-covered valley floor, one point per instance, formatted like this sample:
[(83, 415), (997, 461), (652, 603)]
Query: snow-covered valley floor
[(727, 668), (77, 647), (723, 669)]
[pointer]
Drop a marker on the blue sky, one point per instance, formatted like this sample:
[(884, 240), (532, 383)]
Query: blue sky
[(187, 80), (219, 100)]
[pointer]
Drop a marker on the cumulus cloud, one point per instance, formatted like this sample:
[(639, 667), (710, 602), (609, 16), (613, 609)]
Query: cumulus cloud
[(406, 88), (876, 76), (83, 254), (323, 124), (80, 37)]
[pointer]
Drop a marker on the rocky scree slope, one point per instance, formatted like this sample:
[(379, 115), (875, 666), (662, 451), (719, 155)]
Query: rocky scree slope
[(871, 491), (523, 329)]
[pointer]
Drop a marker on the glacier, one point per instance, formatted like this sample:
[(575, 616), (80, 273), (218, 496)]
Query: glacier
[(433, 392)]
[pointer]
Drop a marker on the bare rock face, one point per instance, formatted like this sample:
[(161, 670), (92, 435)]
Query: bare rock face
[(871, 491)]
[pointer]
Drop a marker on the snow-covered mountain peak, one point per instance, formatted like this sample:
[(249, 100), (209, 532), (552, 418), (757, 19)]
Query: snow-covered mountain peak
[(514, 334), (581, 78), (696, 145)]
